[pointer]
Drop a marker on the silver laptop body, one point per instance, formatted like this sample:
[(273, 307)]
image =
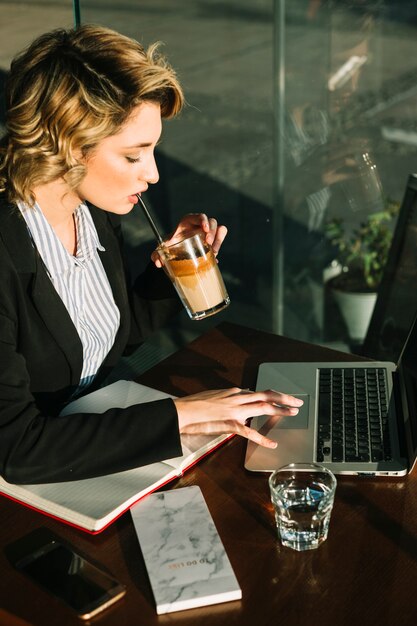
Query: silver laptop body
[(298, 436)]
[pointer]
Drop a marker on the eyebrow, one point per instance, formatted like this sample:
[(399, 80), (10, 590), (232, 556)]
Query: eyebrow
[(145, 144), (138, 145)]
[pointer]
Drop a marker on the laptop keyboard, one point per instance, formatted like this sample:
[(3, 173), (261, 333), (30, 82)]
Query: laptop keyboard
[(353, 422)]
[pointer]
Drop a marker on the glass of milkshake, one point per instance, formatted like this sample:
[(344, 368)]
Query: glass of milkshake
[(193, 269)]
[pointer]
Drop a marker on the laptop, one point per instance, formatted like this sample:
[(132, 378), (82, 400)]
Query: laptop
[(358, 418)]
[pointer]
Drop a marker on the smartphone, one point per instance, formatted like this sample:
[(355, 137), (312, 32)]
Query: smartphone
[(57, 567)]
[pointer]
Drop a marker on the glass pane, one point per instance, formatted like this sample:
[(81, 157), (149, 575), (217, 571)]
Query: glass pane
[(22, 21), (349, 144), (217, 157), (299, 112)]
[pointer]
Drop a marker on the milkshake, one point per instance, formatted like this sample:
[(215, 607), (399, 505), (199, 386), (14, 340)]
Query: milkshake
[(193, 269)]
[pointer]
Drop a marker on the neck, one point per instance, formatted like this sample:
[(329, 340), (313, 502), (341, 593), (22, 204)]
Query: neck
[(58, 204), (57, 201)]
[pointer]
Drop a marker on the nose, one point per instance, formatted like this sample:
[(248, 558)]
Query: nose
[(151, 173)]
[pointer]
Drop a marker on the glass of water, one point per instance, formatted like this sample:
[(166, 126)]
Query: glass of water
[(302, 495)]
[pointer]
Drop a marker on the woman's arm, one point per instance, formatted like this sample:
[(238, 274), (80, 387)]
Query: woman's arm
[(38, 446)]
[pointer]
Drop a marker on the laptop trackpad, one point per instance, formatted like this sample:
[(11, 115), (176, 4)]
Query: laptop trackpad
[(296, 421), (288, 421)]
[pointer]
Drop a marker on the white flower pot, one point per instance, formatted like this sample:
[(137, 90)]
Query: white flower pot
[(356, 309)]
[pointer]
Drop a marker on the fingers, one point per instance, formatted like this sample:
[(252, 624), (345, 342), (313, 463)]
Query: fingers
[(191, 222), (156, 258), (281, 398), (232, 404), (228, 411), (220, 234), (272, 403), (210, 228), (259, 439), (255, 409), (252, 434), (229, 427), (215, 234), (275, 398)]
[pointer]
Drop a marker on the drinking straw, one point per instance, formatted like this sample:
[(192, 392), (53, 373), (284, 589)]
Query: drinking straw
[(150, 220)]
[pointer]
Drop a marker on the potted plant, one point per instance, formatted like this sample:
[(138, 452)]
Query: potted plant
[(361, 254)]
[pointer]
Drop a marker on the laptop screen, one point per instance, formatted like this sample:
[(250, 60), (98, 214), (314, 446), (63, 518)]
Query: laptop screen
[(407, 378), (396, 304)]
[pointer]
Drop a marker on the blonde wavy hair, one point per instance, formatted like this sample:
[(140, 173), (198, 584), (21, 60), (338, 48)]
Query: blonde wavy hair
[(69, 90)]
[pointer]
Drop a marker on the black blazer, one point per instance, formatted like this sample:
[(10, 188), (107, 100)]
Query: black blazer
[(41, 362)]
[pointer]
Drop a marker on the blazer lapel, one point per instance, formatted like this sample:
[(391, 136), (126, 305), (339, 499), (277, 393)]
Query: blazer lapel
[(113, 266), (49, 305), (47, 302), (53, 311), (111, 257)]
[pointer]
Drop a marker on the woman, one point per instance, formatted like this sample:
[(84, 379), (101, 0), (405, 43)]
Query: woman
[(84, 111)]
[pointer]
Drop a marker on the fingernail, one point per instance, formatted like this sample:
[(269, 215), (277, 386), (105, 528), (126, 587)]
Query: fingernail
[(294, 411)]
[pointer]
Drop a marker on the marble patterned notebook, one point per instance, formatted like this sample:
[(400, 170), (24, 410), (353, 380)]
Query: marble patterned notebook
[(185, 558)]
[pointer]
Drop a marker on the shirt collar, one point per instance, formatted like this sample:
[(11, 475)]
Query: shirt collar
[(55, 257), (87, 237)]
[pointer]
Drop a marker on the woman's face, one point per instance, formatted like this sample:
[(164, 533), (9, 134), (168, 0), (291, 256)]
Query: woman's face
[(123, 165)]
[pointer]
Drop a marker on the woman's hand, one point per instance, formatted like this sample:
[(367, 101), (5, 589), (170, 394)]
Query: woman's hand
[(193, 222), (227, 410)]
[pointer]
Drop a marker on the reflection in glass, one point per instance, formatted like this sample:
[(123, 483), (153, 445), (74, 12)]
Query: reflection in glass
[(348, 137)]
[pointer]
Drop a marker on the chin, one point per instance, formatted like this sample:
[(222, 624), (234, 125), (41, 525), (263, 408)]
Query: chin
[(119, 208), (124, 210)]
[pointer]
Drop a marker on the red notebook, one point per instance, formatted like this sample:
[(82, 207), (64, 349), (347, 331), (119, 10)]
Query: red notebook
[(94, 503)]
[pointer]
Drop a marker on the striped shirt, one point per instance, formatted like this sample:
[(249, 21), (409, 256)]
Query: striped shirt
[(81, 283)]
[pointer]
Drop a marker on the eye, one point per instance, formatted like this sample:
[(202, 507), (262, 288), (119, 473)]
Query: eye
[(133, 160)]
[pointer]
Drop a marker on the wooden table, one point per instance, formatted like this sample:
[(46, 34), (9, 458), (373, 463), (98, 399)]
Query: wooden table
[(364, 574)]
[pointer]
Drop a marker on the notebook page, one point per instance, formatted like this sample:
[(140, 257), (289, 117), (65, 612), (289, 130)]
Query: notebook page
[(120, 394), (83, 502), (193, 447)]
